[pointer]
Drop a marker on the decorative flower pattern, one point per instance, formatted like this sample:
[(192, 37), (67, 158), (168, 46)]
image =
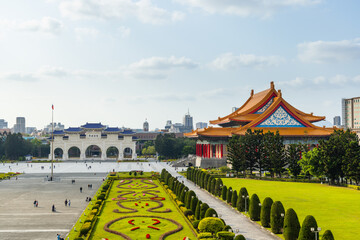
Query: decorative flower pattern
[(263, 109)]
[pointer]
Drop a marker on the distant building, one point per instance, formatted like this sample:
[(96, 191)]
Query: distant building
[(201, 125), (19, 127), (30, 130), (3, 124), (351, 113), (337, 121), (57, 127), (146, 126), (168, 124), (234, 109), (188, 122)]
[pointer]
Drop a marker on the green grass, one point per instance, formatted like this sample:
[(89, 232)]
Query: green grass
[(123, 225), (334, 208)]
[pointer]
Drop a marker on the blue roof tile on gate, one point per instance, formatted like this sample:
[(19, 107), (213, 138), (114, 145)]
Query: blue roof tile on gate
[(93, 125), (73, 129), (128, 132), (58, 132), (112, 129)]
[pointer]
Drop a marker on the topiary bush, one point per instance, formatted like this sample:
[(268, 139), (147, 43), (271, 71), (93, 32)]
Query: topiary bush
[(239, 237), (276, 220), (85, 228), (189, 196), (291, 225), (224, 235), (254, 208), (265, 212), (226, 227), (234, 198), (205, 235), (210, 212), (197, 210), (223, 193), (229, 195), (196, 224), (327, 235), (305, 231), (101, 196), (193, 204), (204, 207), (241, 206), (188, 212), (211, 224), (218, 186)]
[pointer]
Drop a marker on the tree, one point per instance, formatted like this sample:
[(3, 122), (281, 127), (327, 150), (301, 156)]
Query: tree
[(243, 194), (15, 146), (193, 204), (277, 217), (197, 210), (252, 142), (210, 212), (351, 164), (254, 208), (311, 163), (276, 160), (236, 154), (293, 155), (305, 231), (234, 199), (291, 225), (224, 193), (229, 195), (218, 187), (265, 212), (189, 196)]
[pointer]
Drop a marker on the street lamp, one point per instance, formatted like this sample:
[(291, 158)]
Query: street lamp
[(246, 198), (237, 230), (282, 214), (315, 231)]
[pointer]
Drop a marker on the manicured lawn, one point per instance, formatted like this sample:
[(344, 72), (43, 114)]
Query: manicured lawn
[(334, 208), (127, 210)]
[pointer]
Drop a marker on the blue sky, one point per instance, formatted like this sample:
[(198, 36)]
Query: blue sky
[(121, 61)]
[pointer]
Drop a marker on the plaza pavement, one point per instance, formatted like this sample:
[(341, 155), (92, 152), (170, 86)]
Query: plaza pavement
[(19, 220)]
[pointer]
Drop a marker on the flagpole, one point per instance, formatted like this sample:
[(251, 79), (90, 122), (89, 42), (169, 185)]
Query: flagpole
[(52, 143)]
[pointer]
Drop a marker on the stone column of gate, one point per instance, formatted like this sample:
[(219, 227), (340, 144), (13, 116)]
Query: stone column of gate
[(65, 156)]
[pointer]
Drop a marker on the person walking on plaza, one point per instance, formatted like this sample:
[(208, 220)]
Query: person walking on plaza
[(81, 189), (53, 209), (66, 202), (35, 203), (69, 202)]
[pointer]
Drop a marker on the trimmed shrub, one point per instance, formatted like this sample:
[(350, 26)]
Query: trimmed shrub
[(305, 231), (226, 227), (89, 218), (101, 196), (229, 195), (254, 209), (203, 209), (224, 235), (276, 220), (205, 235), (196, 224), (98, 202), (223, 193), (234, 198), (210, 212), (265, 212), (85, 228), (241, 205), (95, 207), (197, 210), (188, 212), (327, 235), (218, 187), (212, 188), (183, 194), (189, 196), (291, 225), (239, 237), (193, 204), (211, 224)]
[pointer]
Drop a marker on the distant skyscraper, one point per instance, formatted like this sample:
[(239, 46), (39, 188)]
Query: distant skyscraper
[(337, 121), (188, 122), (168, 124), (234, 109), (200, 125), (146, 126), (351, 113), (57, 127), (3, 124), (19, 127)]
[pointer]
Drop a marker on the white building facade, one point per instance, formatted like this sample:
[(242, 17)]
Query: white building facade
[(94, 141)]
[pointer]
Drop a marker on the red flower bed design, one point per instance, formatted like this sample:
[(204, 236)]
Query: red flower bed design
[(147, 236), (153, 227)]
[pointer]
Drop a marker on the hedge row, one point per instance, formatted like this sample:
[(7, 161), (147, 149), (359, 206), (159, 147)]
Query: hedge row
[(271, 214)]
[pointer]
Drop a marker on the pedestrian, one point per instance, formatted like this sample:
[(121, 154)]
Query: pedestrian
[(87, 199), (80, 189), (35, 203), (58, 236), (53, 208), (66, 202), (69, 203)]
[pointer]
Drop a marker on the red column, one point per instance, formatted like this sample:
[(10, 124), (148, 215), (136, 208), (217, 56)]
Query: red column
[(209, 149), (221, 151)]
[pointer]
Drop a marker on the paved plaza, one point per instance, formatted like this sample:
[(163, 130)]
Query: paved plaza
[(20, 220)]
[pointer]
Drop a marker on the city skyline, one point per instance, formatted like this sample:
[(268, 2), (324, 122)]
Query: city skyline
[(121, 62)]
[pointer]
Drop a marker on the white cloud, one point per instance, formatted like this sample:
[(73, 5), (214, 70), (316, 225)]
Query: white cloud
[(19, 77), (143, 10), (339, 79), (319, 80), (356, 79), (45, 25), (261, 8), (82, 33), (324, 52), (230, 61), (124, 31), (293, 83)]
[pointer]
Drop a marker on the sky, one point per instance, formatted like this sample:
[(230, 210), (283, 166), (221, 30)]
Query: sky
[(120, 62)]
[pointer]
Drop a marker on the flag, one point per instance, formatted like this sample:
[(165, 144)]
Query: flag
[(52, 107)]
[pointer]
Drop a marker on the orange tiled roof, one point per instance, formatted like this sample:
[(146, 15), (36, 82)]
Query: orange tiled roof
[(211, 131), (307, 131)]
